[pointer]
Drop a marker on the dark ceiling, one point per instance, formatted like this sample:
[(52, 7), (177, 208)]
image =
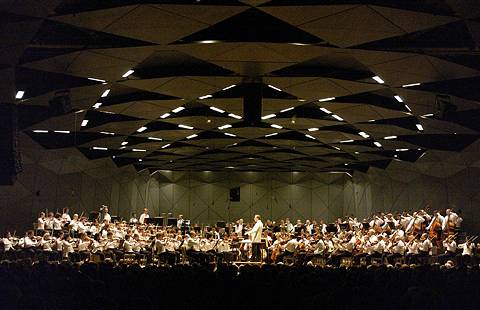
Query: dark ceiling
[(262, 85)]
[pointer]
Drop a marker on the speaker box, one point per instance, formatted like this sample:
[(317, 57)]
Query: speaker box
[(10, 163), (235, 194)]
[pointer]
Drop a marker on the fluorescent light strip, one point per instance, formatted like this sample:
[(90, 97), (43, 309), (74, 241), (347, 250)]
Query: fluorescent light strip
[(124, 143), (139, 150), (108, 112), (62, 131), (105, 93), (84, 122), (398, 98), (346, 141), (154, 138), (410, 85), (100, 148), (325, 111), (176, 110), (378, 79), (337, 148), (165, 146), (229, 134), (337, 117), (97, 80), (428, 115), (142, 129), (19, 94), (287, 109), (97, 105), (268, 116), (208, 41), (276, 126), (228, 87), (311, 137), (192, 136), (273, 87), (40, 131), (271, 134), (224, 126), (313, 129), (401, 150), (165, 115), (140, 160), (235, 116), (389, 137), (326, 99), (377, 144), (107, 133), (205, 97), (408, 108), (363, 134), (126, 74), (217, 110), (185, 126), (419, 127)]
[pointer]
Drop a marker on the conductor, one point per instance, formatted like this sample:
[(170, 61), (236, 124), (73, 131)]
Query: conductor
[(255, 235)]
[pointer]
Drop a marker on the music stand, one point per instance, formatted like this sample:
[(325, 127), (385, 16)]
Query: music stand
[(331, 228), (171, 221)]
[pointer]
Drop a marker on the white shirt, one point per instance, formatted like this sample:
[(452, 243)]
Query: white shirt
[(256, 232), (466, 250), (291, 245), (450, 246), (40, 224), (66, 217), (399, 248), (7, 244), (425, 245), (57, 224), (107, 217), (239, 229), (143, 216)]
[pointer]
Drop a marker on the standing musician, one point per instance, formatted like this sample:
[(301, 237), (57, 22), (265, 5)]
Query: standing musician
[(255, 235)]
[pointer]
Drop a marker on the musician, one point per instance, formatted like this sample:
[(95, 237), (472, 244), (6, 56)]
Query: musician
[(467, 252), (239, 228), (49, 222), (450, 221), (255, 235), (65, 216), (289, 226), (133, 220), (309, 227), (450, 246), (180, 221), (424, 246), (41, 224), (57, 225), (8, 242), (143, 216)]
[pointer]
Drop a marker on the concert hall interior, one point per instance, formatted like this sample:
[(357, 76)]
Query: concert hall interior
[(239, 148)]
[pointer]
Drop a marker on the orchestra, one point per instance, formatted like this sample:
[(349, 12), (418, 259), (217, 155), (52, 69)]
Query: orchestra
[(409, 237)]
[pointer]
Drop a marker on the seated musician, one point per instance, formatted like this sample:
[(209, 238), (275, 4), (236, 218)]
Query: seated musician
[(465, 258), (424, 246), (397, 249), (450, 246)]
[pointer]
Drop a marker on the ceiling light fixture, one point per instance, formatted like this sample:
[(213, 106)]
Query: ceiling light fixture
[(229, 134), (19, 94), (398, 98), (142, 129), (140, 160), (208, 41), (408, 108), (154, 138), (287, 109), (107, 133), (165, 115), (273, 87), (139, 150), (325, 111), (228, 87), (126, 74), (235, 116), (100, 148), (165, 146), (217, 110), (364, 134), (40, 131), (377, 144), (326, 99), (96, 80), (411, 85), (311, 137), (105, 93), (97, 105), (337, 117), (84, 122), (378, 79), (62, 131), (124, 143), (313, 129), (176, 110), (205, 97), (419, 127), (192, 136), (224, 126), (389, 137), (346, 141), (401, 150), (185, 126), (268, 116), (428, 115), (276, 126), (271, 134)]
